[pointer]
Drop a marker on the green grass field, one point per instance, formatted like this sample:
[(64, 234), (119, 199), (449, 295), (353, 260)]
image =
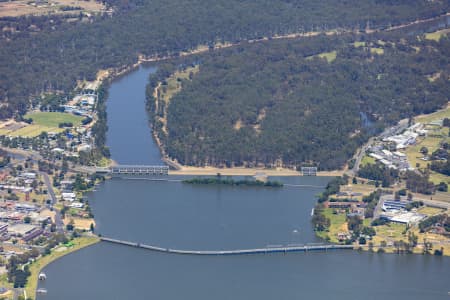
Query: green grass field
[(367, 160), (445, 113), (338, 224), (431, 143), (53, 119), (430, 211), (392, 231), (329, 56), (436, 36), (375, 50), (359, 44), (34, 130)]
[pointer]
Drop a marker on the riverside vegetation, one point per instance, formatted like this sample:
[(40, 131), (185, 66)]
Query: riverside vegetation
[(230, 181)]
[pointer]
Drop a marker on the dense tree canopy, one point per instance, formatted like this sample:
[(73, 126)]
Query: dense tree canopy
[(59, 54), (282, 100)]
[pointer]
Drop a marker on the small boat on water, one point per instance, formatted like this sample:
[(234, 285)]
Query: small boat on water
[(42, 276), (312, 212), (41, 291)]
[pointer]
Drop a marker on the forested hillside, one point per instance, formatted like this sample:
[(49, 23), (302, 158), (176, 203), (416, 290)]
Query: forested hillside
[(310, 101), (54, 58)]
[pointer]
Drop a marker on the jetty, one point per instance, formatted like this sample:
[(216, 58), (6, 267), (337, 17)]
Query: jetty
[(266, 250)]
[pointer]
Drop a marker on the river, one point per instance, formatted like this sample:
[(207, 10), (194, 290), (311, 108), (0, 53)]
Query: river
[(172, 214)]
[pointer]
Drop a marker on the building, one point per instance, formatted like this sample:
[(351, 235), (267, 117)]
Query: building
[(21, 229), (25, 207), (403, 217), (69, 196), (28, 175), (77, 205), (341, 205)]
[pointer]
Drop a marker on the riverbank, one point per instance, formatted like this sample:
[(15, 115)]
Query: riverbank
[(36, 267)]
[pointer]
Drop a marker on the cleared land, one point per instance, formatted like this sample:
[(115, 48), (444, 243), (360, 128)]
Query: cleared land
[(30, 131), (329, 56), (53, 119), (23, 7), (436, 135), (172, 86), (372, 49), (436, 36), (338, 224), (42, 121), (367, 160)]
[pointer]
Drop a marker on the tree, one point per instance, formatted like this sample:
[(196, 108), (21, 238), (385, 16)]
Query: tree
[(27, 220), (70, 226), (424, 150), (410, 196), (442, 187)]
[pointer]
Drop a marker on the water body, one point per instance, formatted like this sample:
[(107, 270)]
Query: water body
[(171, 214), (128, 136), (205, 217)]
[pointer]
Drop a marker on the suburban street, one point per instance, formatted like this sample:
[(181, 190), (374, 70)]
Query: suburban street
[(58, 220)]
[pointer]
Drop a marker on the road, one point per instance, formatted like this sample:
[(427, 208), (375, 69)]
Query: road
[(58, 220)]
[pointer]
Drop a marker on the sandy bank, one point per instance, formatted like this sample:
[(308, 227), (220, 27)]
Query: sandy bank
[(244, 171)]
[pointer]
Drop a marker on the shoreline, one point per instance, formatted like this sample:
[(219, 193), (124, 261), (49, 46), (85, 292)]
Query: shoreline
[(38, 265)]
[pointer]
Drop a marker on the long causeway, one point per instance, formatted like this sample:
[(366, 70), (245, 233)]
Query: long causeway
[(287, 249)]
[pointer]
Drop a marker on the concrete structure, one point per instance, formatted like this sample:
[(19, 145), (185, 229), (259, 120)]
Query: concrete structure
[(267, 250), (309, 171), (139, 170)]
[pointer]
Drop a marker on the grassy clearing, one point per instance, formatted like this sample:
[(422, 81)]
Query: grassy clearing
[(43, 122), (34, 130), (367, 160), (431, 142), (338, 224), (174, 83), (441, 114), (430, 211), (329, 56), (359, 44), (53, 119), (390, 232), (375, 50), (4, 283), (436, 36), (39, 264), (173, 86)]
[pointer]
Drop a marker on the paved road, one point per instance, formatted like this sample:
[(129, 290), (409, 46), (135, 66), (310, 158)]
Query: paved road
[(433, 203), (51, 192)]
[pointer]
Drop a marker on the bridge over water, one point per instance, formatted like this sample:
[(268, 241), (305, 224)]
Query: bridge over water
[(267, 250), (134, 170)]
